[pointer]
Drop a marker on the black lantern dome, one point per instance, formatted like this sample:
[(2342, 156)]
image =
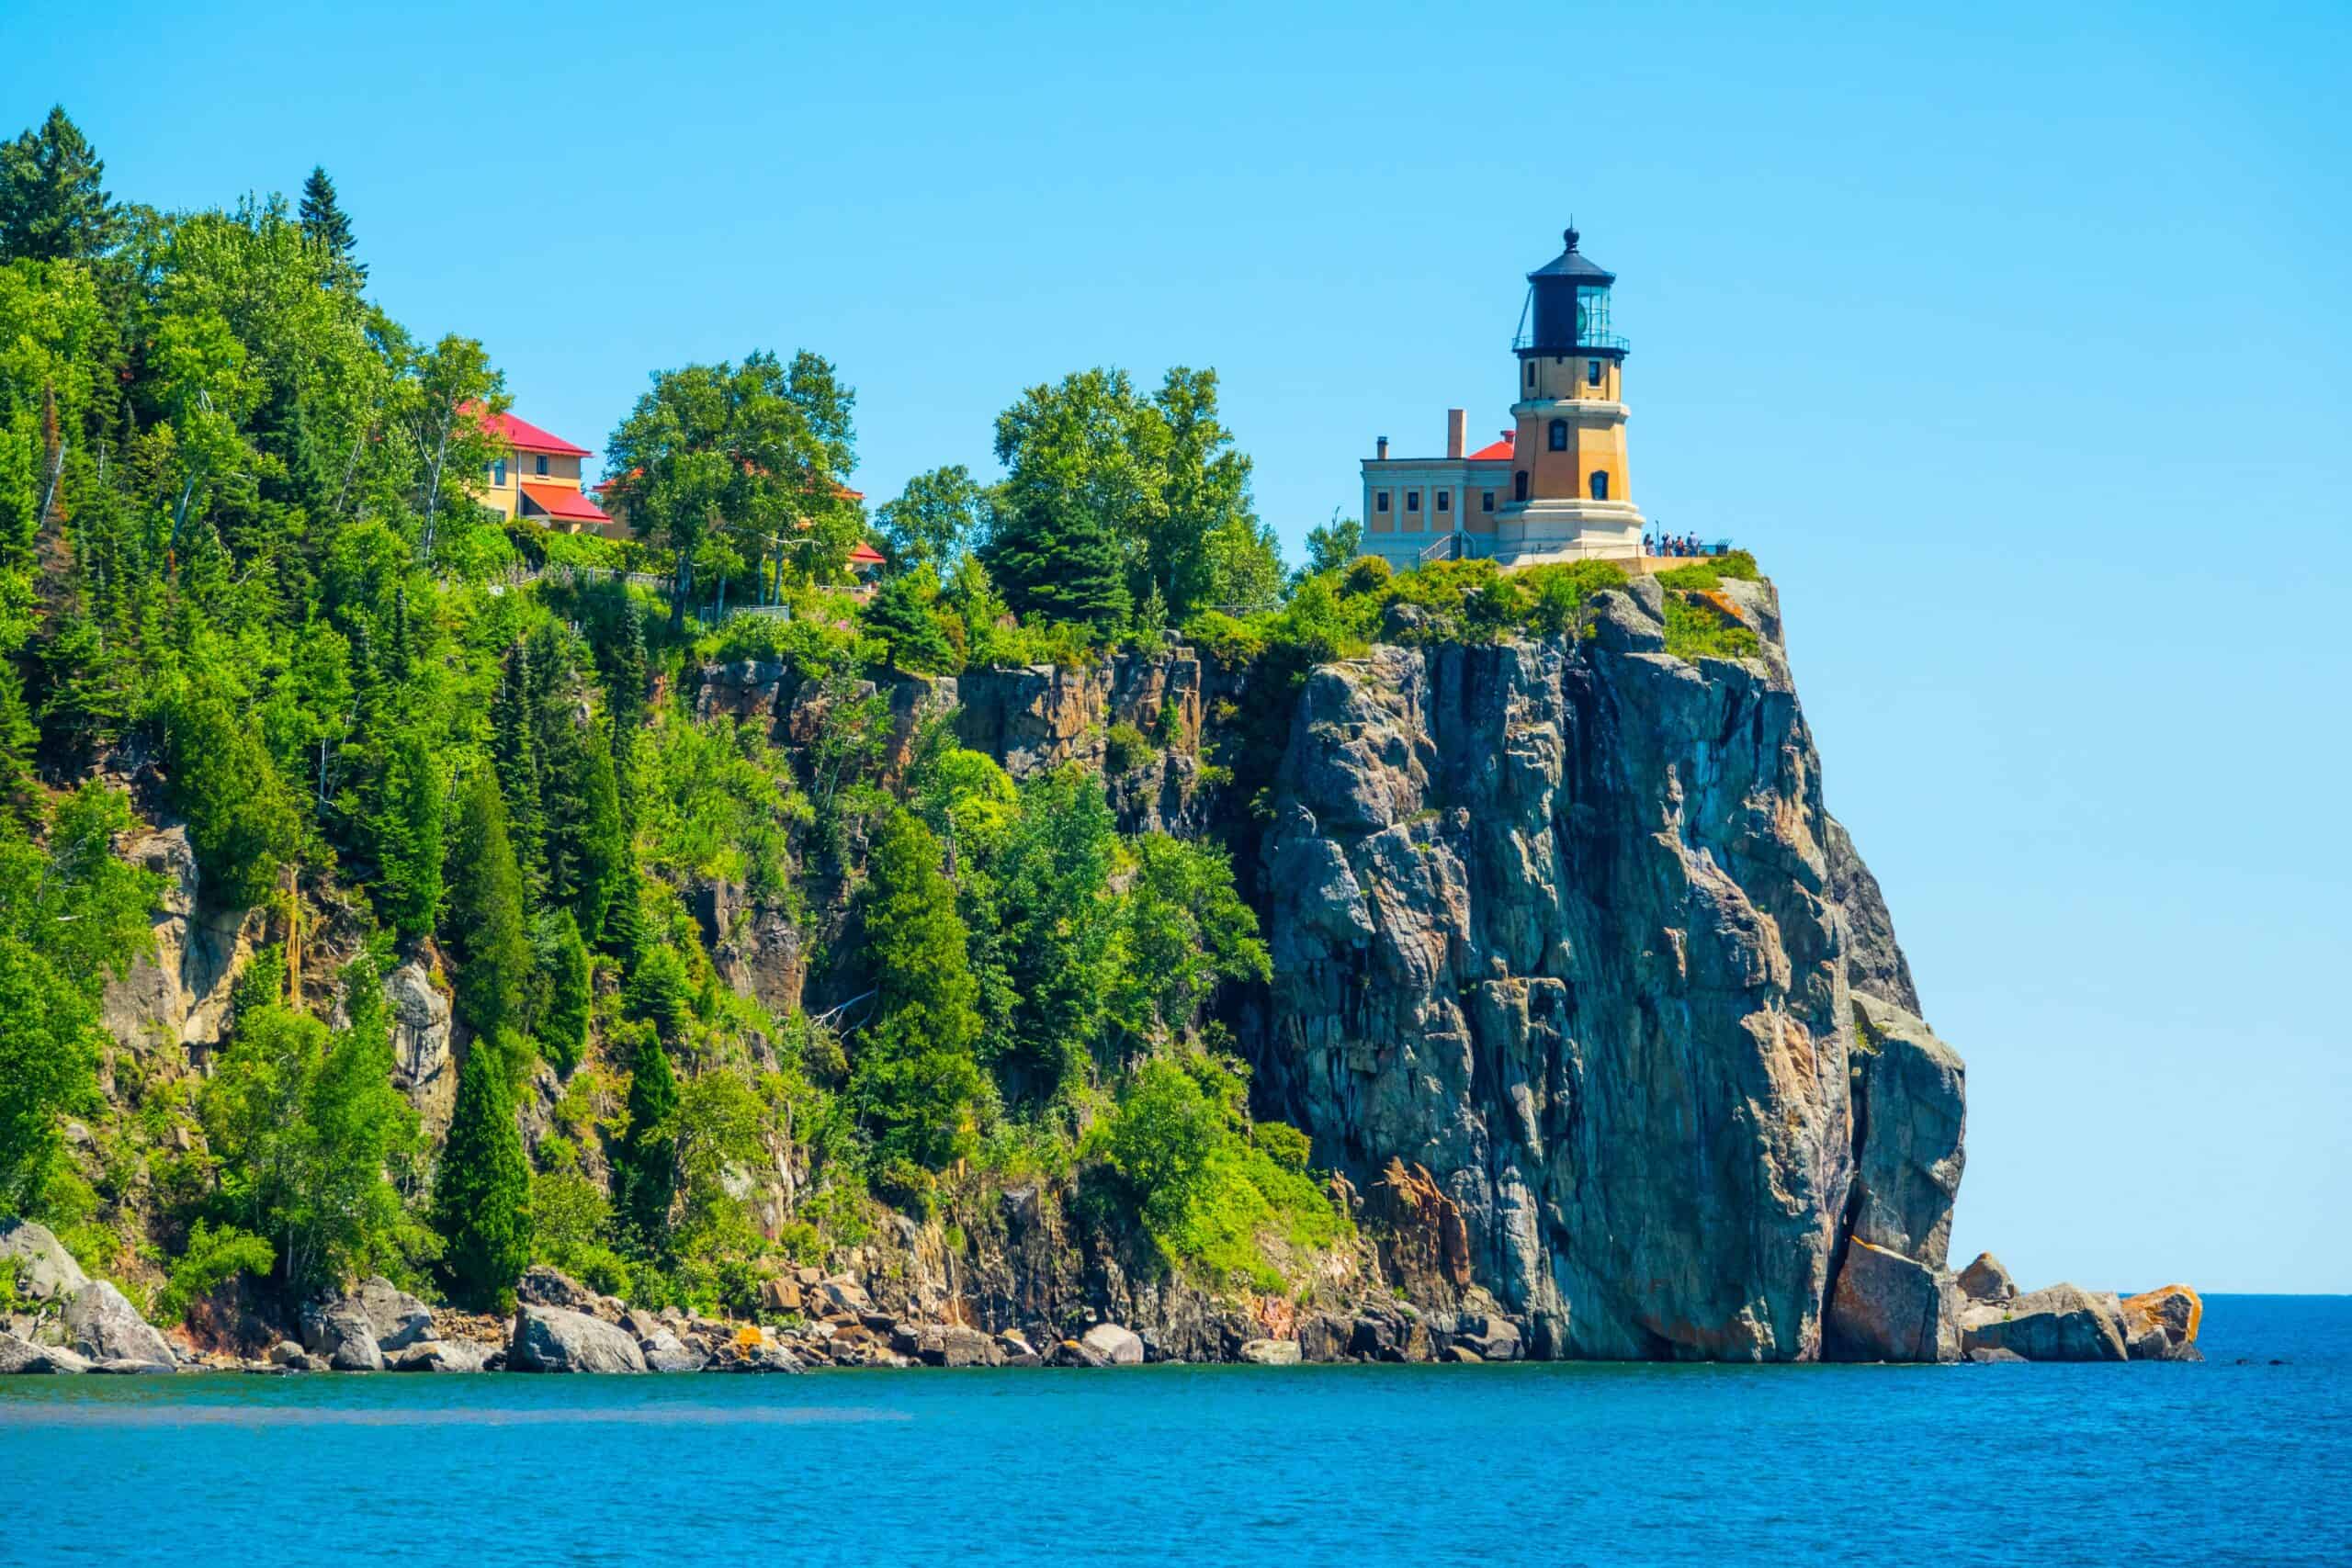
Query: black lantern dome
[(1567, 307)]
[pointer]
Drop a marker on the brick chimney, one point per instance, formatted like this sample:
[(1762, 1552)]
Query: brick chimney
[(1380, 450), (1457, 425)]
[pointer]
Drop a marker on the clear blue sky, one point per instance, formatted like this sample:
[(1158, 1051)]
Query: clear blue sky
[(2019, 349)]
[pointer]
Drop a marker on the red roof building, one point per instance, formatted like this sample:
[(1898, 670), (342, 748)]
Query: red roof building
[(537, 480)]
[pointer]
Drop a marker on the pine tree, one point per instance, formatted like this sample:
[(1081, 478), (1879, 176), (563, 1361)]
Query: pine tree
[(515, 753), (1055, 558), (408, 833), (647, 1162), (914, 1079), (485, 918), (52, 206), (481, 1189), (562, 1026), (324, 223)]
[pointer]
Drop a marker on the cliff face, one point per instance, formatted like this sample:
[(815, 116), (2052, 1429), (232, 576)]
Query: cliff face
[(1568, 925)]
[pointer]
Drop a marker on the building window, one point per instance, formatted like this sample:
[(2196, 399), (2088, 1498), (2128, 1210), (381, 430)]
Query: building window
[(1380, 501), (1412, 501), (1519, 485), (1592, 373), (1445, 500), (540, 467), (498, 471), (1601, 484), (1530, 375), (1485, 500), (1559, 435)]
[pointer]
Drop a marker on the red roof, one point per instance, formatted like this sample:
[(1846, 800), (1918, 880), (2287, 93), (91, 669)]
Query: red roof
[(556, 501), (525, 436), (866, 554), (1500, 452)]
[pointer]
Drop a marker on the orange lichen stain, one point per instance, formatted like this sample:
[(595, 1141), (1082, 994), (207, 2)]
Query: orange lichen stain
[(748, 1338)]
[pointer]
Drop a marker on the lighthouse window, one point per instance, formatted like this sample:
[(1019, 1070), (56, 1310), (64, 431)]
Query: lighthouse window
[(1485, 500), (1380, 501), (1519, 485), (1445, 500), (1592, 373), (1412, 501), (1601, 484), (1531, 372), (1559, 435)]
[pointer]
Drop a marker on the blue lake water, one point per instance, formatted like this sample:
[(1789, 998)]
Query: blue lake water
[(1363, 1466)]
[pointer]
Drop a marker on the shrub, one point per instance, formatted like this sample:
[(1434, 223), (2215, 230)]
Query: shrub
[(211, 1257), (1178, 1147), (1740, 564), (1366, 574), (1126, 747), (1698, 576), (1696, 628)]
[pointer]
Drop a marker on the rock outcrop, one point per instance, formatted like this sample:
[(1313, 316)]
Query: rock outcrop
[(1889, 1307), (45, 1270), (102, 1324), (2061, 1322), (179, 998), (550, 1339), (1985, 1280), (1556, 921), (2162, 1325)]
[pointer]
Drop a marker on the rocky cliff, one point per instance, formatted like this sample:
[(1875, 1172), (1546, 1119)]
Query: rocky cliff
[(1589, 1005), (1568, 924)]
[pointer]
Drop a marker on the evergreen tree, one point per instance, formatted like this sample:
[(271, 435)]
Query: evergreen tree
[(562, 1025), (645, 1174), (485, 918), (515, 753), (901, 614), (408, 833), (1053, 556), (242, 821), (913, 1077), (481, 1189), (53, 205), (324, 223)]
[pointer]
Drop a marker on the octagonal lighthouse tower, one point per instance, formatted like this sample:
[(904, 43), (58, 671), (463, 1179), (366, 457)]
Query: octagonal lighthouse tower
[(1554, 487), (1570, 495)]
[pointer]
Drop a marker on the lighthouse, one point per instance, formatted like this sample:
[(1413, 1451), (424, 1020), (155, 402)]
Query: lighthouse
[(1555, 487)]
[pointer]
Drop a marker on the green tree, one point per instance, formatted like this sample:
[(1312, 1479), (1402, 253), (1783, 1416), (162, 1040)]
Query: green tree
[(1056, 931), (645, 1175), (54, 205), (407, 829), (935, 520), (1332, 546), (481, 1189), (484, 923), (912, 1075), (514, 753), (562, 1025), (242, 821), (1056, 558), (304, 1124), (325, 224), (905, 615), (1187, 931), (723, 459), (71, 915)]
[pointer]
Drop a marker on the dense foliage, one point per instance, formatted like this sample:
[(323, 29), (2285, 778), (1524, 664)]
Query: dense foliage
[(249, 591)]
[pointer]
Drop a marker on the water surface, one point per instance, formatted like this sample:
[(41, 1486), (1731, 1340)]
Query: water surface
[(1361, 1466)]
